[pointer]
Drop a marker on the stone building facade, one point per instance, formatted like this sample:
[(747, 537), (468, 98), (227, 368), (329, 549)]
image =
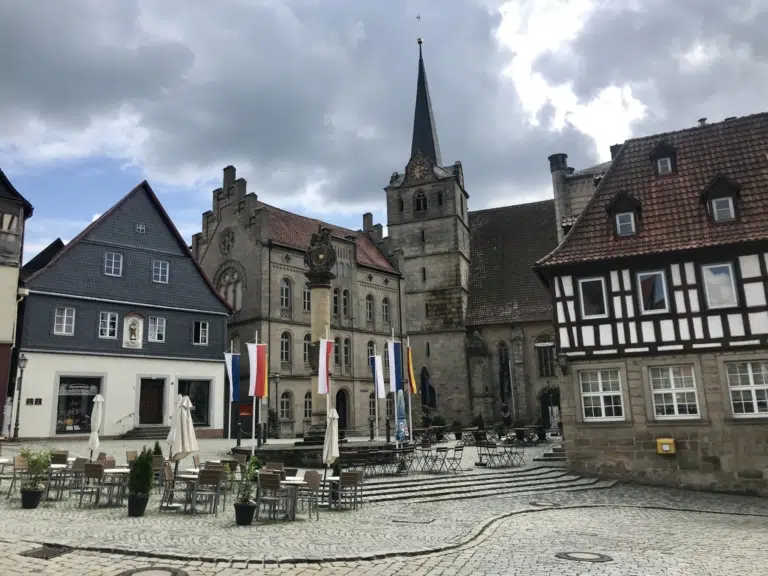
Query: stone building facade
[(458, 283), (661, 321)]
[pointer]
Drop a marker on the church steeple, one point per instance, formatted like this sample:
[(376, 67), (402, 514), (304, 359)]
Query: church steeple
[(424, 128)]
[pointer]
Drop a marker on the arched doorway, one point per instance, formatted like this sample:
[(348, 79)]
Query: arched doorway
[(342, 407), (549, 397)]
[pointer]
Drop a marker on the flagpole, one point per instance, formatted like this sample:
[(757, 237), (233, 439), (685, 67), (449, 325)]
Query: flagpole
[(231, 389), (253, 408), (410, 388), (328, 379), (375, 391), (394, 396)]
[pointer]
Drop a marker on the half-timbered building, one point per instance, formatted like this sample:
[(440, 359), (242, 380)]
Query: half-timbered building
[(661, 316)]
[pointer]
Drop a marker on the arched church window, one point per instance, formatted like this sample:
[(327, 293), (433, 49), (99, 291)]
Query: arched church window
[(420, 202), (505, 376), (230, 283)]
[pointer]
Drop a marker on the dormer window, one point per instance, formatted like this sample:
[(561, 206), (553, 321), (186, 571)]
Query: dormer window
[(625, 224), (722, 209), (721, 199), (664, 158), (664, 166), (625, 211)]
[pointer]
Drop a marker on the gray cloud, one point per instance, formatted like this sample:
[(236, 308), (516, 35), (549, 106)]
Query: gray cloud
[(643, 48), (302, 90)]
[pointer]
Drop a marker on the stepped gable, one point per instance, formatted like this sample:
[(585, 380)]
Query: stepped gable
[(504, 245)]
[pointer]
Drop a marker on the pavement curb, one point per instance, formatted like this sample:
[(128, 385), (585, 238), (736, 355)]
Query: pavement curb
[(474, 534)]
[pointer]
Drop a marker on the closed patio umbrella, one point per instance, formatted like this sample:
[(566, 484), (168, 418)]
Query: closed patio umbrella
[(184, 441), (174, 425), (331, 444), (96, 416)]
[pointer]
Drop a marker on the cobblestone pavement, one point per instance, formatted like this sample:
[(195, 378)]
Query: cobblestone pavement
[(638, 541)]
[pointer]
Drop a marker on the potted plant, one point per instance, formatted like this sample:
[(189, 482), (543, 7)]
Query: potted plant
[(158, 451), (457, 429), (426, 417), (33, 484), (244, 506), (140, 484), (439, 422), (541, 431)]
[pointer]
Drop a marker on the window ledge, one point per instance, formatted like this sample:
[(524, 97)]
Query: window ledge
[(678, 422), (605, 424), (750, 421)]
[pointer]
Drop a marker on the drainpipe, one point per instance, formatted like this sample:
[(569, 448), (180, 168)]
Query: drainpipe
[(269, 318), (511, 362)]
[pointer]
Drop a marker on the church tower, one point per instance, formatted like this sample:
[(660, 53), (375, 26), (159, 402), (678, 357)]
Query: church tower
[(428, 225)]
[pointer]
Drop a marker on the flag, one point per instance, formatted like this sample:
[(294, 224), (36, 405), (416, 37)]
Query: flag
[(378, 375), (324, 366), (259, 376), (395, 366), (409, 368), (232, 362)]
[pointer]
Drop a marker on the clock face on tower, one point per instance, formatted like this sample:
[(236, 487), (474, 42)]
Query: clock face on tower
[(419, 169)]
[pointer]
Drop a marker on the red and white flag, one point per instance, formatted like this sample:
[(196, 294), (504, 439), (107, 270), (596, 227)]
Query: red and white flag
[(324, 366)]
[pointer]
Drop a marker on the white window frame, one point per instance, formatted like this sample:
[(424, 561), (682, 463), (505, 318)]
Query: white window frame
[(664, 165), (658, 372), (161, 271), (643, 311), (345, 303), (731, 209), (203, 332), (286, 286), (306, 296), (602, 393), (370, 307), (141, 228), (286, 405), (112, 261), (372, 405), (733, 285), (631, 223), (752, 388), (385, 312), (156, 328), (308, 406), (61, 316), (581, 297), (285, 351), (347, 348), (306, 348), (109, 318)]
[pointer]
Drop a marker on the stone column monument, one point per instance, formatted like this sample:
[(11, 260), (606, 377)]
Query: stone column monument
[(319, 260)]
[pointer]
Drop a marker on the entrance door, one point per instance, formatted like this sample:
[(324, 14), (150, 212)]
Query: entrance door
[(151, 401), (341, 408)]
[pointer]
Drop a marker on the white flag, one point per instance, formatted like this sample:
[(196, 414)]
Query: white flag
[(392, 366), (379, 375), (324, 366)]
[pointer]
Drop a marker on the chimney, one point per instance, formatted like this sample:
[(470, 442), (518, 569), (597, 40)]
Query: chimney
[(615, 150), (558, 166), (367, 222), (702, 121), (239, 189), (229, 178), (570, 170), (377, 234), (558, 162)]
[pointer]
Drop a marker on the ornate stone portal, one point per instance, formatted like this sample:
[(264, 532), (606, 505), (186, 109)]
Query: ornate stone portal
[(319, 260)]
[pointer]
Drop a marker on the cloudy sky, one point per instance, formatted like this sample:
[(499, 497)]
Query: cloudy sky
[(312, 100)]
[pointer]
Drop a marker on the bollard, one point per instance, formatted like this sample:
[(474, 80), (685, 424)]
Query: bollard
[(239, 433), (370, 428), (389, 432)]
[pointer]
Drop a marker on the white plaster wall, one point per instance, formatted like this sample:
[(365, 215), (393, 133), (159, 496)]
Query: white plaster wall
[(120, 387), (9, 282)]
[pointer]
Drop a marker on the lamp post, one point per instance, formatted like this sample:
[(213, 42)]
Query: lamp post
[(22, 364), (562, 362), (275, 378)]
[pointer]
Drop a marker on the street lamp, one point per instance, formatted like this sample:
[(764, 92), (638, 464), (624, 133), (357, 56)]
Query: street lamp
[(22, 364)]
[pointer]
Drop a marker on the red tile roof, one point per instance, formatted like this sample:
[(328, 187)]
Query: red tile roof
[(672, 217), (296, 231)]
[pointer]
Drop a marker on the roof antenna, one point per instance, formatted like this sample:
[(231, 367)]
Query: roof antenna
[(702, 121)]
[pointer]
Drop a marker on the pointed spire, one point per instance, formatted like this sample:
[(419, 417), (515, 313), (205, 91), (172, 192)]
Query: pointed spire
[(424, 128)]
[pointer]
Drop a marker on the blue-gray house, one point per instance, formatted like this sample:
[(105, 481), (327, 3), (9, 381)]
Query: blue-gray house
[(124, 311)]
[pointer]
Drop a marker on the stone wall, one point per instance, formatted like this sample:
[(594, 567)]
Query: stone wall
[(714, 451)]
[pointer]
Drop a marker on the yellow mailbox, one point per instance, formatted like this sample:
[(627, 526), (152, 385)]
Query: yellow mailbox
[(665, 445)]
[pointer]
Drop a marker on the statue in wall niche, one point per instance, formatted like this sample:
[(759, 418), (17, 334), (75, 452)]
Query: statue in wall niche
[(133, 329)]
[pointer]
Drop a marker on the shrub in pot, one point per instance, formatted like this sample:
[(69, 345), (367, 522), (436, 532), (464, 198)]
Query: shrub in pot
[(33, 484), (439, 421), (244, 505), (140, 484), (158, 451), (457, 429)]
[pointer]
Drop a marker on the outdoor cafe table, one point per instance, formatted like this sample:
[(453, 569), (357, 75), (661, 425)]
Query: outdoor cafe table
[(293, 483), (117, 473)]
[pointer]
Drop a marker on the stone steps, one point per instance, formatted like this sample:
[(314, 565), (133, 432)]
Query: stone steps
[(472, 484), (556, 455), (147, 433)]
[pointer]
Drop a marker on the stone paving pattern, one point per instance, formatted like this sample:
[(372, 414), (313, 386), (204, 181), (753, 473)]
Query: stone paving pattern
[(648, 531)]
